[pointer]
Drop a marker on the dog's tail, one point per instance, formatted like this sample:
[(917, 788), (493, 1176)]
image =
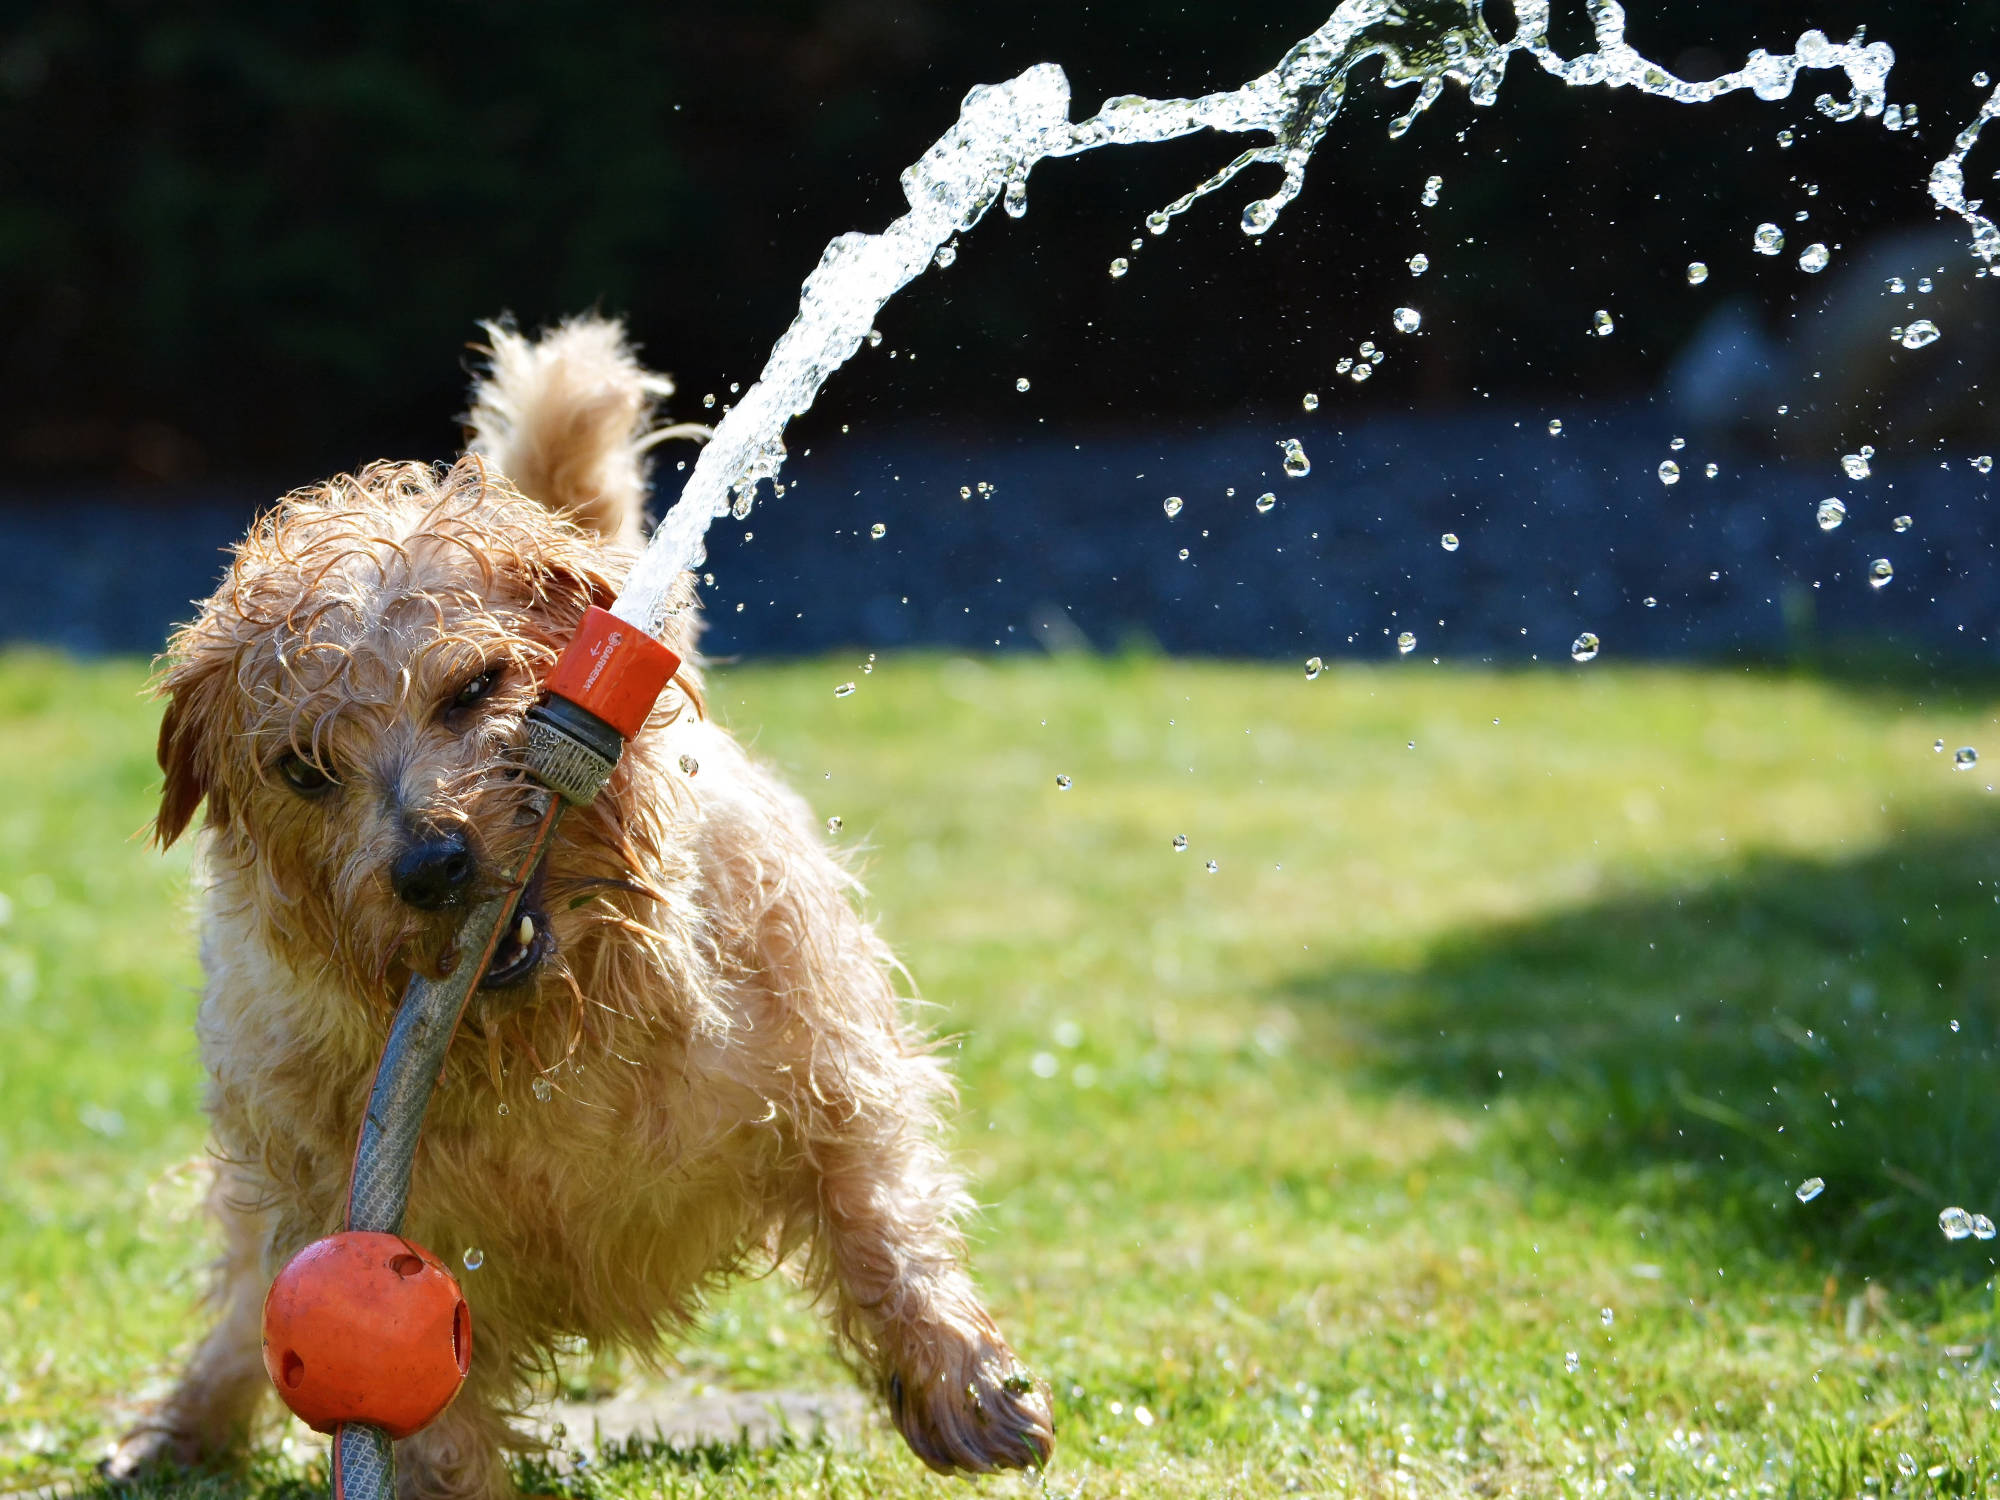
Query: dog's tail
[(568, 417)]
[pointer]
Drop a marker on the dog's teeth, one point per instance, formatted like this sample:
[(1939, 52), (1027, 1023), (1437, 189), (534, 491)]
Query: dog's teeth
[(525, 933)]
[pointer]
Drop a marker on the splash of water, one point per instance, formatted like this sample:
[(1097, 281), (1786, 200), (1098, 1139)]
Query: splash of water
[(1948, 184), (1004, 129)]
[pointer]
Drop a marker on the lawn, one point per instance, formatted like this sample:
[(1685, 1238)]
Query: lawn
[(1431, 1125)]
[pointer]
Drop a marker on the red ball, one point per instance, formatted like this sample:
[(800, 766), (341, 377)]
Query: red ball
[(368, 1328)]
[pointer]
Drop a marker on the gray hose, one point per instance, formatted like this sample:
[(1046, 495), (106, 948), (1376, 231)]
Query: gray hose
[(364, 1464)]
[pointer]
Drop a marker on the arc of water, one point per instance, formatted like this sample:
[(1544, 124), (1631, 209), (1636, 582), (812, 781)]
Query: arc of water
[(1004, 129)]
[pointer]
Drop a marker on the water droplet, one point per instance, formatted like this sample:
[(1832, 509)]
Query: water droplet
[(1119, 267), (1311, 401), (1920, 333), (1555, 426), (1903, 523), (1697, 272), (1896, 285), (709, 399), (1571, 1361), (689, 765), (833, 824), (1983, 463), (1676, 444), (1015, 198), (1606, 1316), (1419, 263), (1584, 647), (946, 254), (1156, 224), (1785, 138), (1449, 541), (1938, 746), (1854, 465), (878, 531), (843, 690), (1212, 867), (965, 492), (1980, 80), (1602, 322), (1830, 514), (1314, 666), (1880, 572), (1814, 258), (1768, 240), (504, 1109), (1956, 1223), (1810, 1189), (1407, 319), (1711, 470), (1670, 472), (1264, 503), (1184, 554), (1171, 505), (1432, 185), (1982, 1227), (1406, 643), (1361, 372), (1923, 283), (1964, 758), (1650, 602), (1259, 215), (874, 338), (474, 1257), (1021, 384), (1062, 783), (541, 1088), (1297, 465), (1180, 843)]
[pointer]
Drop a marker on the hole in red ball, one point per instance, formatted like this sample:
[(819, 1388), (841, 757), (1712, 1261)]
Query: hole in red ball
[(461, 1336), (293, 1369), (407, 1265)]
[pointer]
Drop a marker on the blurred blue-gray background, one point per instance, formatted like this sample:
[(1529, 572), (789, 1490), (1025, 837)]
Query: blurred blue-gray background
[(242, 248)]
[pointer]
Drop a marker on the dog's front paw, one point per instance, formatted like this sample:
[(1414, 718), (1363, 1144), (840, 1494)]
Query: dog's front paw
[(149, 1449), (995, 1416)]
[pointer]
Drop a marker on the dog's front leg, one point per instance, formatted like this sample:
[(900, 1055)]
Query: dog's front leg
[(209, 1414), (888, 1206), (463, 1454)]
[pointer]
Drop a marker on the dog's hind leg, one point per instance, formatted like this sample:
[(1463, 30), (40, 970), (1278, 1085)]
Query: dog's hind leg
[(211, 1411)]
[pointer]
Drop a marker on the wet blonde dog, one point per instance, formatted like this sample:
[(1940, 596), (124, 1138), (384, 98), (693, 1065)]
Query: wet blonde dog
[(687, 1059)]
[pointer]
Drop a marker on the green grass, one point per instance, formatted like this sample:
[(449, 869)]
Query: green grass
[(1329, 1160)]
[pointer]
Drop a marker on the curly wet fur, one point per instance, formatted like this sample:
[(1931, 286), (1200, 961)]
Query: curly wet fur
[(731, 1077)]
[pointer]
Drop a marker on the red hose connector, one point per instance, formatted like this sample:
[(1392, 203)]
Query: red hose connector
[(614, 670)]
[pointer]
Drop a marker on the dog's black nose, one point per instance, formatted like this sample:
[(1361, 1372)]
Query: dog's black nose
[(433, 874)]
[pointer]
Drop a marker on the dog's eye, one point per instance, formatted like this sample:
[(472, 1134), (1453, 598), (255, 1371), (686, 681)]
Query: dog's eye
[(476, 689), (303, 777)]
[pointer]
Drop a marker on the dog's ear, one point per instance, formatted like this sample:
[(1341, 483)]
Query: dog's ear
[(192, 688)]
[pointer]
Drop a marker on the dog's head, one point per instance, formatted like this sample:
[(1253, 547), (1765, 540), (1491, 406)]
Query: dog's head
[(349, 704)]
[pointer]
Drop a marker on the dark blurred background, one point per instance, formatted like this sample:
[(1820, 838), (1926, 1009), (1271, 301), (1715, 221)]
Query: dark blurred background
[(242, 246)]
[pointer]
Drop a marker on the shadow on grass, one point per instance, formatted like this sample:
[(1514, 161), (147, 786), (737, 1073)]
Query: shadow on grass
[(1718, 1046)]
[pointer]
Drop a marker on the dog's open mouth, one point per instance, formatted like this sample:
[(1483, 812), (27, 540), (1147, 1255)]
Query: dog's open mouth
[(527, 942)]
